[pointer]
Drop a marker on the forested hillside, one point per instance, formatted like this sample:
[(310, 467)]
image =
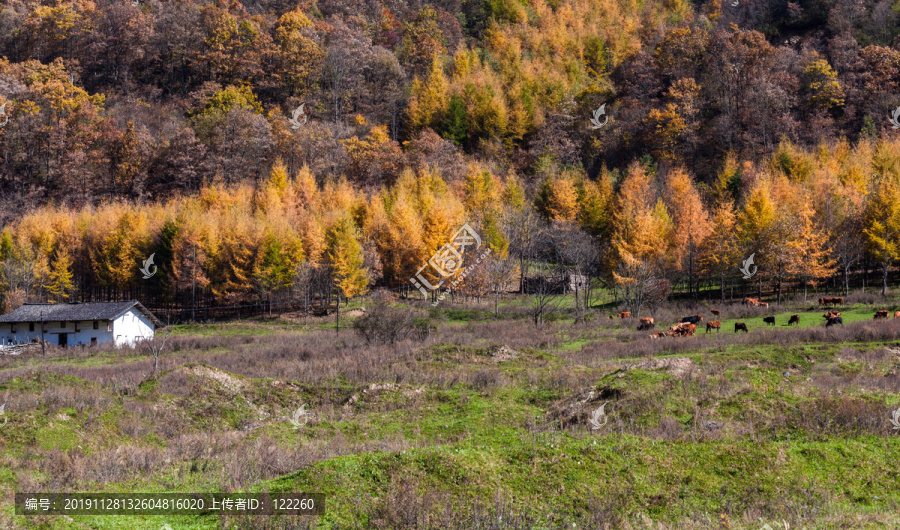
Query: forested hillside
[(148, 127)]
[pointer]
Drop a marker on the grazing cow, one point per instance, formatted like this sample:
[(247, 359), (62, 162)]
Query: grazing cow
[(646, 323), (695, 319), (769, 320), (715, 312), (612, 317), (896, 314), (831, 314), (880, 314), (687, 329), (715, 324), (795, 319), (738, 326), (834, 320), (837, 300), (625, 314)]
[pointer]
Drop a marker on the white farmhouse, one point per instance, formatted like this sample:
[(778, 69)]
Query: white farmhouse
[(79, 324)]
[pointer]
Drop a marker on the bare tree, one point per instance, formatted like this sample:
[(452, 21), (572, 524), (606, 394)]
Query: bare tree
[(310, 281), (303, 278), (156, 344), (17, 272), (577, 252), (849, 246), (544, 292), (656, 292), (636, 275), (525, 235), (499, 271)]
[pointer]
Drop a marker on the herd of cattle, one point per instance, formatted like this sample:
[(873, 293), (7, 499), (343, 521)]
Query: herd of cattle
[(688, 325)]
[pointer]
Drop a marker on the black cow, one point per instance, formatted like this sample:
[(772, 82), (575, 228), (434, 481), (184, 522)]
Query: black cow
[(769, 320), (740, 326), (834, 320), (692, 320)]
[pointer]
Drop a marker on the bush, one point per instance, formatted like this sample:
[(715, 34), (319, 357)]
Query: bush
[(386, 323)]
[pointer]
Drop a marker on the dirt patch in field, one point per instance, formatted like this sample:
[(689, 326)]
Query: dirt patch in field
[(466, 354), (227, 381), (499, 354), (376, 391), (677, 366), (576, 409)]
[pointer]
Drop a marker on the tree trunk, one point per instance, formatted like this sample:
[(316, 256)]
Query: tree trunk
[(337, 321), (884, 280), (722, 287)]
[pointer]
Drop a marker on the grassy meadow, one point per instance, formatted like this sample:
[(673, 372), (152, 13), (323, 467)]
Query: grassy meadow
[(484, 423)]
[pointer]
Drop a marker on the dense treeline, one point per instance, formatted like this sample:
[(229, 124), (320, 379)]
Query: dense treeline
[(163, 127), (151, 99), (808, 216)]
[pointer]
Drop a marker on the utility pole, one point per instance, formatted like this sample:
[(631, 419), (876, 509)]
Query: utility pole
[(43, 344)]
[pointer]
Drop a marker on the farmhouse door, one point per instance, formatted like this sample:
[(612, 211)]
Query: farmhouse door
[(63, 340)]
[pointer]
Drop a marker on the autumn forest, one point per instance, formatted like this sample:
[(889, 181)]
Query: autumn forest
[(174, 128)]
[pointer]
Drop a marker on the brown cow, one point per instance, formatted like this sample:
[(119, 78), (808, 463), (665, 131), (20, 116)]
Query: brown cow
[(837, 300), (684, 328), (795, 319), (762, 304), (625, 314), (612, 317), (715, 324), (880, 314), (751, 301), (896, 314), (715, 312), (738, 326), (687, 329), (831, 314), (646, 323)]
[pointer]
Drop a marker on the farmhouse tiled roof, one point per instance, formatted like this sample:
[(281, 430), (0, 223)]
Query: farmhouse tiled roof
[(75, 312)]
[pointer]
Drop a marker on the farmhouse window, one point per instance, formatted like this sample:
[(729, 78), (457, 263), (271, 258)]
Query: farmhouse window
[(96, 324), (12, 328), (31, 326), (109, 326), (93, 341)]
